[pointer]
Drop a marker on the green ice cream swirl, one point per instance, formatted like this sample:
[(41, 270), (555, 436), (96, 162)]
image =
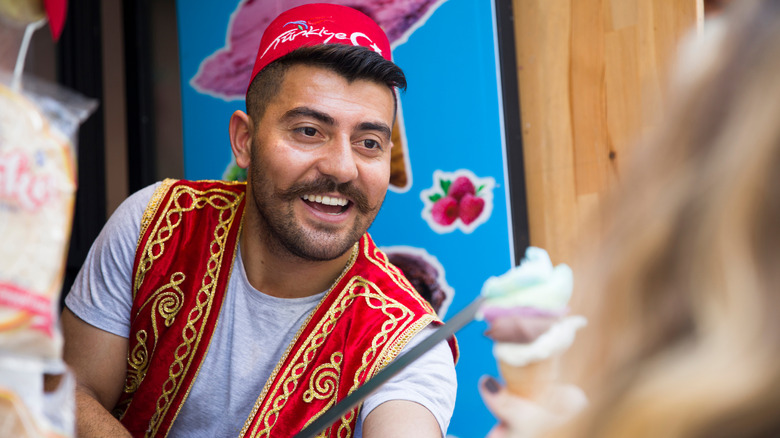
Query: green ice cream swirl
[(534, 283)]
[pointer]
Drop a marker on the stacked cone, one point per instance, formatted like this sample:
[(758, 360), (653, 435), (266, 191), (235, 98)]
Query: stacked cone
[(534, 289)]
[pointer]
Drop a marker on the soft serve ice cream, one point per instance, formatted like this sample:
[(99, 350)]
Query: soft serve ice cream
[(533, 289)]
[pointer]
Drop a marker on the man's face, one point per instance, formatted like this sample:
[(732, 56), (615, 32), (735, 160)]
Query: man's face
[(320, 162)]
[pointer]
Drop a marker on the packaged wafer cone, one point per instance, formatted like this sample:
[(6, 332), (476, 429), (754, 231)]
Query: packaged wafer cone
[(37, 192), (533, 290)]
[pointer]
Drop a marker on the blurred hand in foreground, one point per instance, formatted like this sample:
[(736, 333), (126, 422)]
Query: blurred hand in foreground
[(523, 330), (522, 418)]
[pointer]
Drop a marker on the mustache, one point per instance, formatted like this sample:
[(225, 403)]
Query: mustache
[(327, 185)]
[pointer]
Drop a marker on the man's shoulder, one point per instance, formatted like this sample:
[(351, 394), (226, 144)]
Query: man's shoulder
[(207, 184), (373, 264), (388, 277), (128, 214), (165, 186)]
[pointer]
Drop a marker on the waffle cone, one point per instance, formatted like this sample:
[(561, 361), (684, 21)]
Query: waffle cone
[(531, 380)]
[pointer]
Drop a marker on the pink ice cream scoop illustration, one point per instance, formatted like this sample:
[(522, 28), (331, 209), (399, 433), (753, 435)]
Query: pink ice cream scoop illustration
[(225, 74)]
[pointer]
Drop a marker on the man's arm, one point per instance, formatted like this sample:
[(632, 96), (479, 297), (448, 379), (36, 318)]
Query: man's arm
[(396, 418), (96, 321), (98, 360), (419, 399)]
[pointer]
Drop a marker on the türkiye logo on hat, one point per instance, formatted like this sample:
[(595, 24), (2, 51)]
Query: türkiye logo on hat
[(318, 23)]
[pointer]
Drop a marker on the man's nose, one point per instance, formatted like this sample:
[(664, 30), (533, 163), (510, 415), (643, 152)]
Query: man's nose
[(338, 161)]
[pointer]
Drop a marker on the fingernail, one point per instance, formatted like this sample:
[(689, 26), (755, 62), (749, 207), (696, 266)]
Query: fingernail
[(491, 385)]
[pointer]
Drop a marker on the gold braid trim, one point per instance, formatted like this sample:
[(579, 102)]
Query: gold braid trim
[(197, 371), (287, 352), (159, 236), (165, 304), (191, 334), (357, 288), (397, 344), (385, 346), (153, 205), (360, 288), (324, 381), (167, 301), (379, 259)]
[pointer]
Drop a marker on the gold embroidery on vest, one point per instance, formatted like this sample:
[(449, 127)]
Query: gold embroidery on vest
[(377, 300), (166, 301), (323, 384), (267, 388), (227, 203), (155, 245), (324, 380), (138, 359), (396, 346), (392, 346), (153, 205), (379, 259), (138, 364), (197, 371), (345, 430)]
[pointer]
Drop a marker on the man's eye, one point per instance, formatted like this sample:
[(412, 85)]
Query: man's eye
[(307, 131), (371, 144)]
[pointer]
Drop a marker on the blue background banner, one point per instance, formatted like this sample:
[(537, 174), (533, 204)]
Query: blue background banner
[(454, 209)]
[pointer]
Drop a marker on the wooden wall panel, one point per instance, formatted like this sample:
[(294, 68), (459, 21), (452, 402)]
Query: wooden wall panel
[(591, 76)]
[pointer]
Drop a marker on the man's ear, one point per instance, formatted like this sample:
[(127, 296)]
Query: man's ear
[(241, 130)]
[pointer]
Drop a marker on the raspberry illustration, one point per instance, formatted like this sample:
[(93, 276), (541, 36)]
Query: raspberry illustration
[(470, 208), (461, 186), (445, 210)]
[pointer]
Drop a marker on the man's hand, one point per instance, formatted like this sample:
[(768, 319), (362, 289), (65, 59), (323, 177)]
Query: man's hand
[(99, 362), (401, 418)]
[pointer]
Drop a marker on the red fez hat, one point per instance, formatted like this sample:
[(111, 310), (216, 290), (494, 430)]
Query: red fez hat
[(318, 23)]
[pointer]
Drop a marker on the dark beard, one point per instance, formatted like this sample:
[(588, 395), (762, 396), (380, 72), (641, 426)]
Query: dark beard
[(280, 229)]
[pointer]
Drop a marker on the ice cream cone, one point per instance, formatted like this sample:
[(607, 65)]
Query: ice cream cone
[(531, 380), (533, 291)]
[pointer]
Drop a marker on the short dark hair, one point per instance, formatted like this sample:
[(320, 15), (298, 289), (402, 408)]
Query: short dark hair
[(351, 62)]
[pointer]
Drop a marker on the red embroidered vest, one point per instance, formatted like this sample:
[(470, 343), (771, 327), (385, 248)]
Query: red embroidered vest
[(189, 236)]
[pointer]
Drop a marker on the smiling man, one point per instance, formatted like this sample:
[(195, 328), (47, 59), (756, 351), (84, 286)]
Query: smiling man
[(318, 155), (212, 309)]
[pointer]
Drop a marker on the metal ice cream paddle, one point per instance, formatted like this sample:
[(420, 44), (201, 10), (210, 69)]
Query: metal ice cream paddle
[(334, 413)]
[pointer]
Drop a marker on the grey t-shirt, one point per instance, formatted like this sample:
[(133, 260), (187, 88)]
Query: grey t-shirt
[(253, 331)]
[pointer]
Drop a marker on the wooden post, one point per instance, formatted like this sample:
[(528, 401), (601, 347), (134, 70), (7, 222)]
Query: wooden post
[(591, 76)]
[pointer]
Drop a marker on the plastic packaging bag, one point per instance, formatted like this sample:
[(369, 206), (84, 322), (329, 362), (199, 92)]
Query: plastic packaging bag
[(25, 409), (38, 127), (37, 192)]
